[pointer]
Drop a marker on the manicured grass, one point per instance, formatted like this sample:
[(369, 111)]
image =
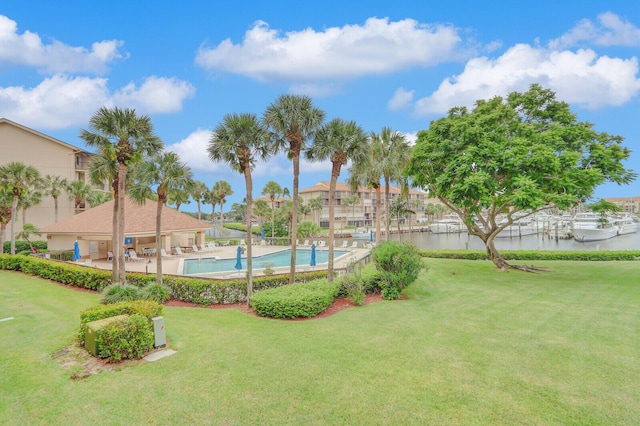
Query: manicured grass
[(471, 345)]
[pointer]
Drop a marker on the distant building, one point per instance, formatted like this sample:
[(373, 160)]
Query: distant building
[(629, 204), (363, 213), (51, 157)]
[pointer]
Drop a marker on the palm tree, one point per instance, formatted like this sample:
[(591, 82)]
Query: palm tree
[(6, 198), (30, 197), (338, 141), (123, 138), (222, 189), (28, 229), (261, 208), (240, 140), (394, 153), (53, 186), (97, 197), (315, 204), (16, 177), (166, 173), (198, 193), (79, 192), (292, 120), (178, 197), (272, 189), (400, 208), (352, 201)]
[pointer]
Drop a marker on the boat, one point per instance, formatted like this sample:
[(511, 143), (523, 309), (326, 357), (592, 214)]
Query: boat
[(361, 233), (449, 224), (592, 227), (519, 228), (625, 224)]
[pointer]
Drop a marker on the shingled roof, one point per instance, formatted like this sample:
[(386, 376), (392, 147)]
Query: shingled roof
[(139, 219)]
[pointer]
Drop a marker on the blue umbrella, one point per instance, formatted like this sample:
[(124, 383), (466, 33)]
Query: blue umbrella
[(371, 235), (262, 236), (76, 251), (239, 259), (313, 255)]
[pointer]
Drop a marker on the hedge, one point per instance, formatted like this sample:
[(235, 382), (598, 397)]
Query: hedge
[(145, 308), (535, 255), (128, 338), (304, 300)]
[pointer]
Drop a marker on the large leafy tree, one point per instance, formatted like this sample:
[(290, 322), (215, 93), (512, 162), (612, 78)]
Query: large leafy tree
[(122, 138), (292, 120), (393, 155), (222, 189), (337, 141), (53, 186), (17, 178), (155, 178), (240, 140), (511, 157), (273, 190)]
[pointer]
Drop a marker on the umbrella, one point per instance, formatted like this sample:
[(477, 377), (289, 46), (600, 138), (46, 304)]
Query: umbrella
[(76, 250), (371, 235), (262, 234), (239, 259), (313, 255)]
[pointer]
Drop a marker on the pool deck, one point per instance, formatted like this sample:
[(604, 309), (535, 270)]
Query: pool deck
[(170, 265)]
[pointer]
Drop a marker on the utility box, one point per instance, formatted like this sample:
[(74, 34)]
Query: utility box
[(93, 332), (158, 332)]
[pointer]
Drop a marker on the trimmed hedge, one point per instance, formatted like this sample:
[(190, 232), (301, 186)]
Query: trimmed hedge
[(145, 308), (127, 338), (535, 255), (23, 246), (290, 301)]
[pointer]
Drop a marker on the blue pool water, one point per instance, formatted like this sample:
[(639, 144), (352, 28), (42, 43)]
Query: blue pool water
[(278, 259)]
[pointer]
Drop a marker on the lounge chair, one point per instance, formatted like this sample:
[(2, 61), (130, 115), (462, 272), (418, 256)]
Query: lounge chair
[(306, 243), (345, 244), (322, 243), (243, 243), (179, 251), (194, 248), (314, 243), (164, 253), (109, 256), (354, 245), (133, 256)]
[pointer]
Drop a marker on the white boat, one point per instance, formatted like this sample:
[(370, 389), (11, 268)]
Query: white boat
[(592, 227), (625, 225), (449, 224), (361, 233), (519, 228)]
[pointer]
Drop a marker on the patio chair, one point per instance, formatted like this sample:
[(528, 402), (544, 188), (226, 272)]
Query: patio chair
[(243, 243), (314, 243), (179, 251), (133, 256), (109, 256), (306, 243), (164, 253), (322, 243), (354, 245)]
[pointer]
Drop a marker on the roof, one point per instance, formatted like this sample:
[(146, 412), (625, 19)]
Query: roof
[(139, 219), (42, 135), (324, 186)]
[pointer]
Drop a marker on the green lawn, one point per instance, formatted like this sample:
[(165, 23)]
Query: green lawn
[(471, 345)]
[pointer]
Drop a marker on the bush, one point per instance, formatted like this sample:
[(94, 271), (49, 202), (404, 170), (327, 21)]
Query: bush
[(295, 300), (23, 246), (352, 287), (127, 338), (535, 255), (156, 292), (146, 308), (398, 264), (117, 293)]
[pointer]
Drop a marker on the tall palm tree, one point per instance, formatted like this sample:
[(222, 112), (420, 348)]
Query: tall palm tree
[(166, 173), (16, 177), (240, 140), (30, 197), (400, 208), (315, 204), (6, 198), (53, 186), (272, 189), (178, 197), (394, 154), (123, 138), (79, 192), (352, 201), (222, 190), (292, 119), (198, 194), (338, 141)]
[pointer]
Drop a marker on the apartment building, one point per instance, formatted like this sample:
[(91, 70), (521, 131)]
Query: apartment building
[(50, 156), (629, 204)]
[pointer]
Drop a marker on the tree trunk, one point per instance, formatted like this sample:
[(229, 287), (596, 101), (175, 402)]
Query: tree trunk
[(55, 208), (273, 218), (159, 240), (332, 206), (115, 247), (249, 185), (122, 174), (295, 148), (494, 255), (386, 208), (377, 187), (221, 216), (14, 212)]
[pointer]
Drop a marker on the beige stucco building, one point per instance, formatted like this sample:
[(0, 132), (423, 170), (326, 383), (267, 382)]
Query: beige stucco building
[(627, 204), (50, 156)]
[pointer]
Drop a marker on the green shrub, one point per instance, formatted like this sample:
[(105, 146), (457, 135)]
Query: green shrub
[(127, 338), (352, 287), (146, 308), (117, 293), (398, 264), (156, 292), (536, 255), (23, 246), (295, 300)]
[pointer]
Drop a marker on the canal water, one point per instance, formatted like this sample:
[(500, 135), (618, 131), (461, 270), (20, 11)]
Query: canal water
[(427, 240)]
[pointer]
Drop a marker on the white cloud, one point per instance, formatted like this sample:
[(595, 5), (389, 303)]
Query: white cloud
[(411, 137), (193, 151), (377, 47), (401, 99), (610, 30), (581, 77), (62, 101), (56, 57), (155, 95)]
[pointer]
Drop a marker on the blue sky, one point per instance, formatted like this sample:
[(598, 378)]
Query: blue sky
[(380, 63)]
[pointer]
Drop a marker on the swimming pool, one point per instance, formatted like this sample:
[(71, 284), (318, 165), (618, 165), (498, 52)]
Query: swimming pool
[(281, 258)]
